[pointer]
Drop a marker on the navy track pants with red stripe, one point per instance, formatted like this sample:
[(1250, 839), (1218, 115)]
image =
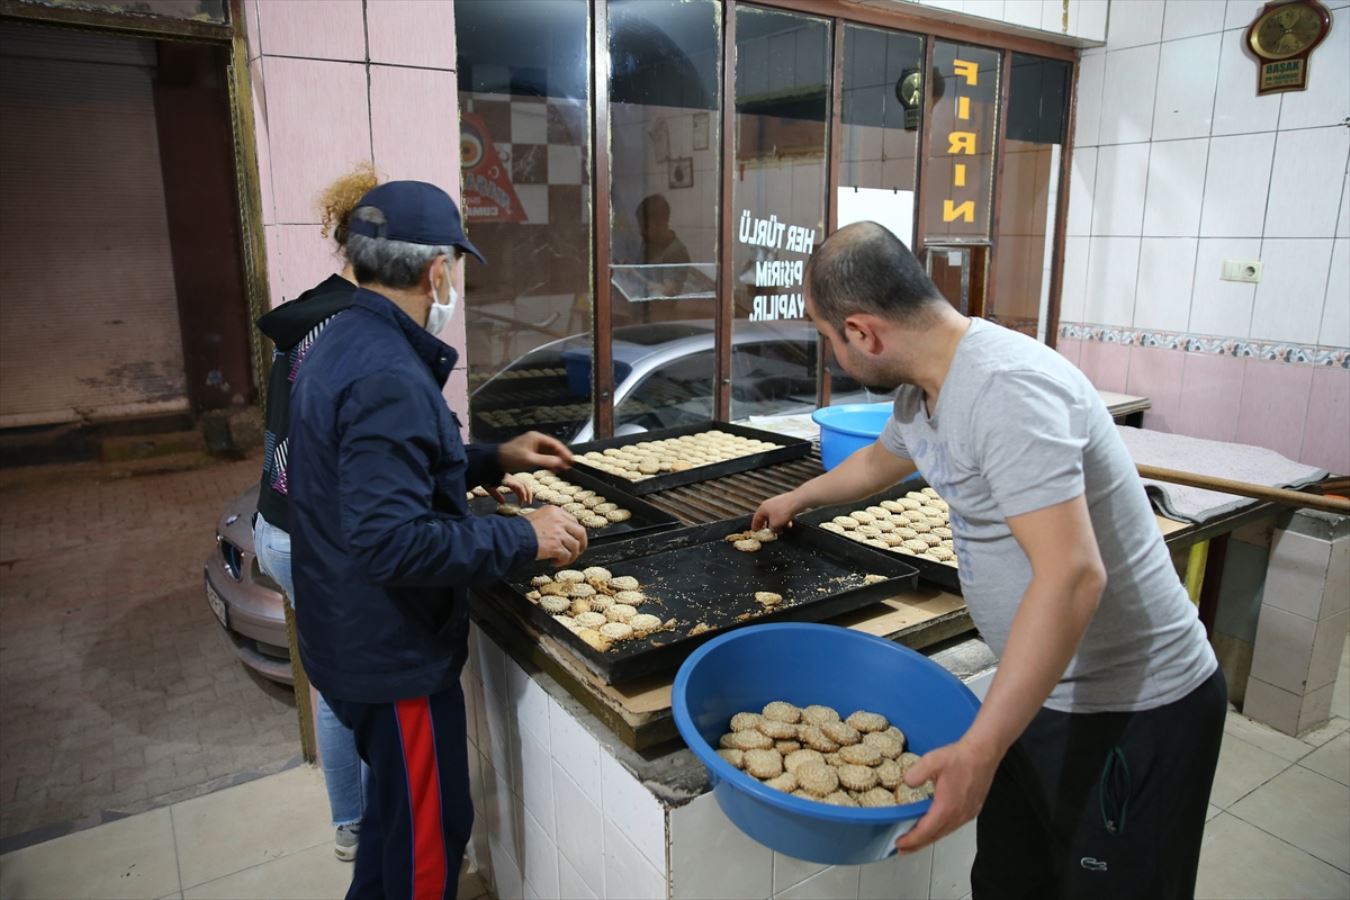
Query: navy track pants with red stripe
[(419, 811)]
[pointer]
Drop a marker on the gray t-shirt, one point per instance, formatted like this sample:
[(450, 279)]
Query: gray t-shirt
[(1018, 429)]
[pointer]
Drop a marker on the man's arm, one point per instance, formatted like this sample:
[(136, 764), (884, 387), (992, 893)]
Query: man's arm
[(1067, 579), (862, 474), (387, 441)]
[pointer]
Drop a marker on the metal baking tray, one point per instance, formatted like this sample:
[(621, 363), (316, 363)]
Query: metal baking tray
[(791, 448), (694, 576), (646, 518), (943, 576)]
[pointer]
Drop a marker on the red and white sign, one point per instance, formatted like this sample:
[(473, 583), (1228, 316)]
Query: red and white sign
[(489, 195)]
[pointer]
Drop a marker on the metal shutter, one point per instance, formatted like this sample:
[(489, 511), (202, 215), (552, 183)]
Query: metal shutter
[(88, 311)]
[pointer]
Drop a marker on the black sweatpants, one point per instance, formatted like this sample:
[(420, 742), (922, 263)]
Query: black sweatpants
[(419, 811), (1103, 805)]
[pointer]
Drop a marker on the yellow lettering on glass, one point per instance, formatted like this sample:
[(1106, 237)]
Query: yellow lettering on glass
[(961, 142), (968, 70), (959, 175), (965, 212), (963, 107)]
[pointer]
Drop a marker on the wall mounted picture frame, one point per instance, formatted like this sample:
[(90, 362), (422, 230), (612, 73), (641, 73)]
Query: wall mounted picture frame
[(681, 173)]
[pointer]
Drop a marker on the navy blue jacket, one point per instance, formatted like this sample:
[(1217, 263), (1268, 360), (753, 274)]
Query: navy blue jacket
[(384, 548)]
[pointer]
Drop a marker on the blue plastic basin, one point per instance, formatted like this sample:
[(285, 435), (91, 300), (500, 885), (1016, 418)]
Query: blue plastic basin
[(804, 664), (848, 427)]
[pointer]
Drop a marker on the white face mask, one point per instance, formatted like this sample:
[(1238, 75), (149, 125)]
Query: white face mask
[(440, 313)]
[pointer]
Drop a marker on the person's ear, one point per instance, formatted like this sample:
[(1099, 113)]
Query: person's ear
[(861, 330)]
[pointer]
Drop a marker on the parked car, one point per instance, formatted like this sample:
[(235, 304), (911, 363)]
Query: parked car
[(246, 602), (663, 379)]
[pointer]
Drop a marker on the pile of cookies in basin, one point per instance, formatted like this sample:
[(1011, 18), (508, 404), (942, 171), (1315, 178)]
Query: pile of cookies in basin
[(917, 524), (596, 606), (812, 753), (647, 459), (592, 510)]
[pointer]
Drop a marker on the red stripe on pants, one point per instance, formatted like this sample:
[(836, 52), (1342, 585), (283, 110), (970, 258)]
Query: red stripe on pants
[(424, 798)]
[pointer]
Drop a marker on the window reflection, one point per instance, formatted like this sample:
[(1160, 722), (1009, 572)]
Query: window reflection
[(1037, 110), (524, 72), (959, 176), (782, 104)]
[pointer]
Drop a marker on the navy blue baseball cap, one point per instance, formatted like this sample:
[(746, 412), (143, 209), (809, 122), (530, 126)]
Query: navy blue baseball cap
[(415, 212)]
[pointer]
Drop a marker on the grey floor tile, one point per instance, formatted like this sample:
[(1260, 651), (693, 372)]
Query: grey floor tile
[(1332, 759), (1238, 860), (1306, 809), (1243, 768)]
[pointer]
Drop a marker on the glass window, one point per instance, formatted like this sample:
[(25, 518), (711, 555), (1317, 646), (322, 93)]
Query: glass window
[(194, 10), (674, 392), (524, 74), (782, 127), (665, 143), (959, 173), (1038, 98)]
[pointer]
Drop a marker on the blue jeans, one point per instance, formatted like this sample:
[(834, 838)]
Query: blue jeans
[(346, 776)]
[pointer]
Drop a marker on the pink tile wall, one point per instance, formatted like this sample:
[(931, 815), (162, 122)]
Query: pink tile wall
[(313, 29), (412, 33), (1069, 348), (252, 36), (1274, 406), (413, 135), (1106, 365), (1326, 436), (319, 127), (1158, 374), (1211, 394), (263, 140), (298, 258)]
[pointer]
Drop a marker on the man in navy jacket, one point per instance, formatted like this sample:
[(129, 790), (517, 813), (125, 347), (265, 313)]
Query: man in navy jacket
[(385, 549)]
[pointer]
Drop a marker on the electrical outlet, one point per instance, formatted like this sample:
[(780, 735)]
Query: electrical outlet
[(1239, 270)]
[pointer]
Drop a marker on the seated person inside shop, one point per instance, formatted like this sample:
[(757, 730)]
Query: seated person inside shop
[(1090, 762), (385, 548)]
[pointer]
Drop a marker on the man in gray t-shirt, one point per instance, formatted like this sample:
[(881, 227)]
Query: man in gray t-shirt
[(1107, 709)]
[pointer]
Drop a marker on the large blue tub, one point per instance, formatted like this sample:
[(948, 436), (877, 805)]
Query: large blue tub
[(848, 427), (804, 664)]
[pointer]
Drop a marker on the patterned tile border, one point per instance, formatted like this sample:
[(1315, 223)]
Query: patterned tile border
[(1299, 354)]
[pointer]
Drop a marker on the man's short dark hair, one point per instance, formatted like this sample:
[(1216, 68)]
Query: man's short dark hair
[(865, 268), (655, 207)]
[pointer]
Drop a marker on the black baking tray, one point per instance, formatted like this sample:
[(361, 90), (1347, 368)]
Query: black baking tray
[(791, 448), (646, 518), (933, 572), (693, 576)]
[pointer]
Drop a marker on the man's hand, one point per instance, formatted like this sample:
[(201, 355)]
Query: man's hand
[(533, 450), (962, 774), (777, 512), (560, 536), (513, 484)]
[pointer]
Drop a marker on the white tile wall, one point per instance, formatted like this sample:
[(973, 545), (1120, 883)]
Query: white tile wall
[(576, 749), (540, 858), (1074, 299), (1166, 274), (1240, 13), (899, 876), (711, 858), (1088, 18), (529, 702), (628, 874), (1187, 73), (1222, 308), (1306, 162), (504, 813), (831, 884), (579, 829), (1192, 17), (1081, 180), (506, 875), (634, 810), (1335, 328), (1134, 23), (1026, 13), (1295, 275), (1235, 188), (536, 777), (1118, 194), (951, 864), (1128, 93), (789, 871), (1327, 99), (1237, 108), (1176, 188), (1113, 268), (1087, 124), (571, 884)]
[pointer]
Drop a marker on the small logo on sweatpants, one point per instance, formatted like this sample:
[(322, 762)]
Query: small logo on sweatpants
[(1092, 865)]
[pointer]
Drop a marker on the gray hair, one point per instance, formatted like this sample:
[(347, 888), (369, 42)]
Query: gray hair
[(395, 264)]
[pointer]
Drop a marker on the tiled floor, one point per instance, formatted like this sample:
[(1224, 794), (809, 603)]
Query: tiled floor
[(1279, 827), (118, 693)]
